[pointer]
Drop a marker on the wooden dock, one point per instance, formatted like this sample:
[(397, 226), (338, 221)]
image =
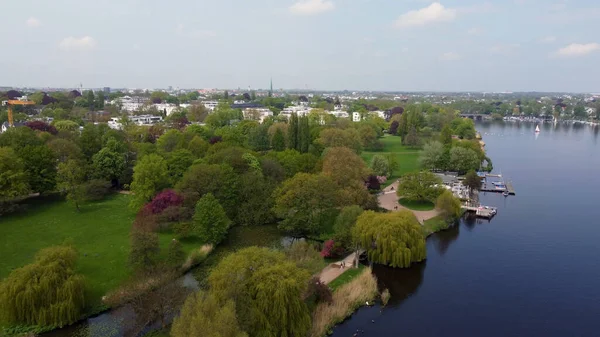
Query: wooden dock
[(510, 188), (482, 211), (489, 187)]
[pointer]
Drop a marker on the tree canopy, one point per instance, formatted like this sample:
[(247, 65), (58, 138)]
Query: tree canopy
[(394, 239), (419, 186)]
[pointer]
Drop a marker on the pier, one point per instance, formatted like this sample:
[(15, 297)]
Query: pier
[(482, 211)]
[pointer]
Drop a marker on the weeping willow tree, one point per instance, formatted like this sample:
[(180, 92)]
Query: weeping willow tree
[(203, 315), (46, 292), (267, 290), (395, 239)]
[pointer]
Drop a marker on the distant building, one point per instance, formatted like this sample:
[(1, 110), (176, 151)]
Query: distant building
[(356, 117), (243, 105), (210, 105), (259, 114), (106, 90), (131, 104), (115, 122), (5, 126), (165, 108)]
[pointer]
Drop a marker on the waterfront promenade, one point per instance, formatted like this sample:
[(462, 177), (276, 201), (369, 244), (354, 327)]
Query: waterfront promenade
[(389, 200)]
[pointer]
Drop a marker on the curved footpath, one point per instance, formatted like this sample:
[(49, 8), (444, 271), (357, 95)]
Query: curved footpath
[(389, 200)]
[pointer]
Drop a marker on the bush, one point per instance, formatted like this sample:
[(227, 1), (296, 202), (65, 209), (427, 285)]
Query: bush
[(163, 200), (318, 291), (332, 249), (96, 189)]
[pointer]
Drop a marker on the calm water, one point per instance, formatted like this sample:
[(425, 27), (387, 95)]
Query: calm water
[(534, 270)]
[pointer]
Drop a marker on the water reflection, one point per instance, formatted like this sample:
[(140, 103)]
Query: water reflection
[(401, 282), (444, 239)]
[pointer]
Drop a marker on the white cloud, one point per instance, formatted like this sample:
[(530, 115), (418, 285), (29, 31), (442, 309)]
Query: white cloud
[(577, 49), (203, 34), (311, 7), (33, 22), (450, 56), (548, 39), (77, 44), (434, 13)]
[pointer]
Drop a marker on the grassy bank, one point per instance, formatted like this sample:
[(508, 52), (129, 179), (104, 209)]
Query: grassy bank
[(346, 277), (407, 157), (100, 233), (346, 299), (434, 225)]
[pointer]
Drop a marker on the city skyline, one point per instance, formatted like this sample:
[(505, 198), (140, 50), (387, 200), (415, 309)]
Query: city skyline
[(410, 46)]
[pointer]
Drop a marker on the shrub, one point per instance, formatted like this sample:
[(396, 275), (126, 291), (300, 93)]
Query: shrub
[(331, 249), (373, 183), (163, 200), (41, 126), (96, 189), (319, 291)]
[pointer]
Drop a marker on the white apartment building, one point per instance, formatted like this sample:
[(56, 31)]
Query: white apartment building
[(257, 114), (356, 117), (115, 122), (211, 105)]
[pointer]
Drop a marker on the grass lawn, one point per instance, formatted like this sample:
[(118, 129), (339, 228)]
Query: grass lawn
[(100, 232), (346, 277), (407, 157), (416, 205), (434, 225)]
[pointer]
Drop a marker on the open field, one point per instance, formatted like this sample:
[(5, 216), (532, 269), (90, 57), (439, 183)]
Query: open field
[(416, 205), (100, 232), (407, 157)]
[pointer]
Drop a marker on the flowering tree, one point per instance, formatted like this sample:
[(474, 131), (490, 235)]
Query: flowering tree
[(163, 200)]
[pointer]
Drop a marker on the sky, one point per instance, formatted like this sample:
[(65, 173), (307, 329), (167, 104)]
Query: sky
[(393, 45)]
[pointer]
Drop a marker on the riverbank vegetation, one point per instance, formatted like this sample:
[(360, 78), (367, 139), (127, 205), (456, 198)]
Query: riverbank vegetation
[(193, 185)]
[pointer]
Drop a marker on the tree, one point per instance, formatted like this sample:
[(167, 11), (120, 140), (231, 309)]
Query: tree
[(220, 180), (305, 256), (178, 162), (395, 239), (90, 100), (448, 206), (463, 160), (419, 186), (198, 146), (258, 138), (303, 200), (380, 166), (304, 138), (446, 135), (278, 141), (579, 111), (211, 224), (40, 166), (109, 163), (343, 225), (41, 126), (13, 178), (294, 162), (394, 128), (175, 254), (369, 138), (292, 142), (90, 140), (412, 138), (170, 141), (164, 200), (256, 195), (64, 149), (203, 315), (432, 156), (145, 249), (46, 292), (150, 175), (340, 138), (267, 291), (472, 181), (344, 166), (70, 179)]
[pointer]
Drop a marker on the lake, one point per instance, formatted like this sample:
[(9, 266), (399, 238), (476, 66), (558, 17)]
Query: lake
[(533, 270)]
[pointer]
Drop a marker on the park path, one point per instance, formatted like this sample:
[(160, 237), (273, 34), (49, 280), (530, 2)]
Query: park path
[(333, 270), (389, 200)]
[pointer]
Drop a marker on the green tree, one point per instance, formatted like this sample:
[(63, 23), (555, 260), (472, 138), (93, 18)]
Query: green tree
[(13, 178), (267, 291), (395, 239), (46, 292), (369, 137), (304, 138), (344, 166), (343, 225), (90, 100), (448, 206), (178, 163), (419, 186), (66, 125), (40, 167), (211, 224), (99, 103), (380, 166), (90, 140), (109, 163), (258, 138), (446, 135), (302, 202), (198, 146), (579, 111), (203, 315), (332, 137), (278, 141), (411, 138), (472, 181), (175, 254), (70, 179), (145, 249), (463, 160), (170, 141), (432, 156), (293, 129), (256, 195), (150, 175)]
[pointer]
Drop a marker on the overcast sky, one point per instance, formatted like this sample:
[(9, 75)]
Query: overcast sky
[(451, 45)]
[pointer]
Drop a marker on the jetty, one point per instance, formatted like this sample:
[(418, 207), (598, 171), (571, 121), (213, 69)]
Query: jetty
[(481, 211), (495, 183)]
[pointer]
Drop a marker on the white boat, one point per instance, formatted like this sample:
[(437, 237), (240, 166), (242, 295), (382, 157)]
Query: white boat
[(537, 129)]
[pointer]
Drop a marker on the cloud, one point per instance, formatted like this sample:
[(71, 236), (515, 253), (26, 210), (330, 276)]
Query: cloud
[(33, 22), (548, 39), (77, 44), (577, 49), (450, 56), (195, 34), (311, 7), (434, 13)]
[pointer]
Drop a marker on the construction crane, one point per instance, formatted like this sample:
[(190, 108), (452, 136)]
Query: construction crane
[(10, 104)]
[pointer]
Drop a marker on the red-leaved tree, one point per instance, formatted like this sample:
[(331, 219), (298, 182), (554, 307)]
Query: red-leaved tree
[(163, 200), (41, 126)]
